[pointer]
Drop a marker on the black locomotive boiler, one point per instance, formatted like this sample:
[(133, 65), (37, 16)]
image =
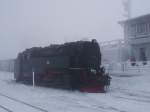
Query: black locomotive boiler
[(73, 65)]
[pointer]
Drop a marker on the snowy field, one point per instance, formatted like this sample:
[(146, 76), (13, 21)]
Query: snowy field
[(128, 93)]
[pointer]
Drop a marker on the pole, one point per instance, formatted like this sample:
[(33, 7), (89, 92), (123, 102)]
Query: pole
[(127, 8)]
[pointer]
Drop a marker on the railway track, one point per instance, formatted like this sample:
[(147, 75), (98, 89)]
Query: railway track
[(11, 100), (5, 109), (99, 106), (138, 96), (133, 99)]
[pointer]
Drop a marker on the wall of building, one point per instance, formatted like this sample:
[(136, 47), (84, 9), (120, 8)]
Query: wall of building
[(136, 50), (139, 67)]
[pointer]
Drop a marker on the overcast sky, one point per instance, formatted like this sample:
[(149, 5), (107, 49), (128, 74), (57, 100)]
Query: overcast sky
[(27, 23)]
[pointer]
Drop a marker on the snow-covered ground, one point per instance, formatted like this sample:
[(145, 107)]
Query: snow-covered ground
[(128, 93)]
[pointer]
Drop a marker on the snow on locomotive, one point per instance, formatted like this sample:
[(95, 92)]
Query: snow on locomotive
[(73, 65)]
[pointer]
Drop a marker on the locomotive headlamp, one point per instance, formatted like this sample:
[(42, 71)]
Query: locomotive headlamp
[(47, 62), (93, 71)]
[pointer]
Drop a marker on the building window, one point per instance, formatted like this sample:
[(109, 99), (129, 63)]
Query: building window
[(143, 28), (133, 30), (148, 28), (138, 29)]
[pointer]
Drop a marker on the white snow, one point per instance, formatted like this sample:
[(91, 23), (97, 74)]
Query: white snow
[(128, 93)]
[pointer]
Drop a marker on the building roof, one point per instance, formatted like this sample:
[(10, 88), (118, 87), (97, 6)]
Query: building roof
[(135, 19)]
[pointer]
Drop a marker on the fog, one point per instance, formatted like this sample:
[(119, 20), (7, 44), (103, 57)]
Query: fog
[(28, 23)]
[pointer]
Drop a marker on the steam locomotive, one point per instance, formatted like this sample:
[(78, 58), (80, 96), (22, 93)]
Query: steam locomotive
[(72, 65)]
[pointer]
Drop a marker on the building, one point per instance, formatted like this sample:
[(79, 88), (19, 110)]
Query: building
[(137, 37)]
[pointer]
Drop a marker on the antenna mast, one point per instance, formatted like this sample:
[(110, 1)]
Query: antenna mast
[(127, 8)]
